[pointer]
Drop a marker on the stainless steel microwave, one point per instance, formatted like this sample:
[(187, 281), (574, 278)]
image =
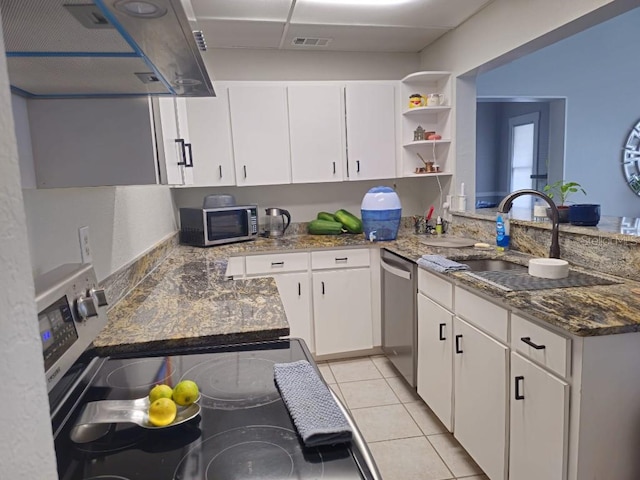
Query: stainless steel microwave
[(204, 227)]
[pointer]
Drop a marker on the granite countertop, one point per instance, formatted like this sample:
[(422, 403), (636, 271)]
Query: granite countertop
[(187, 301)]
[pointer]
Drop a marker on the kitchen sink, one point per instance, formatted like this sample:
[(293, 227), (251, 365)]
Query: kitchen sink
[(511, 276), (492, 265)]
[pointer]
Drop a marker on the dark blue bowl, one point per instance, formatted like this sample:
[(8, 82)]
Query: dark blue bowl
[(584, 214)]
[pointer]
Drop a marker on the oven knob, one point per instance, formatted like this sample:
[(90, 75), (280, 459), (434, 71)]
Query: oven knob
[(86, 307), (99, 296)]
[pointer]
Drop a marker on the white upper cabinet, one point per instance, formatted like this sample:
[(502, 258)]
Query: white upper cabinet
[(92, 142), (371, 131), (316, 119), (210, 131), (185, 137), (260, 132), (172, 149)]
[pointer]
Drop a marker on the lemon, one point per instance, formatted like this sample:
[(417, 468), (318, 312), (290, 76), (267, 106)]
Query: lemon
[(160, 391), (185, 393), (162, 412)]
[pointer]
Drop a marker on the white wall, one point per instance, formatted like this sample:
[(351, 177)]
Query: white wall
[(123, 223), (247, 64), (27, 443), (305, 201)]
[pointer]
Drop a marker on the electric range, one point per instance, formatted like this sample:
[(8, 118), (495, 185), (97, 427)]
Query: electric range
[(243, 431)]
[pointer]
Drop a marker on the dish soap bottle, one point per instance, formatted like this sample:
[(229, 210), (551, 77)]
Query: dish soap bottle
[(502, 231)]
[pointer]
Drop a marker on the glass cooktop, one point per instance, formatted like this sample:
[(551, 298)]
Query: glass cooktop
[(243, 431)]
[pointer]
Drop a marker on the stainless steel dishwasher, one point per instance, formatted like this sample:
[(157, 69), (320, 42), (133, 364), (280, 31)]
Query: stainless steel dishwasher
[(399, 313)]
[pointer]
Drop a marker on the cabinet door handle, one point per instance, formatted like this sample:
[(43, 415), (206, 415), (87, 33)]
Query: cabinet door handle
[(342, 259), (190, 164), (322, 287), (358, 166), (299, 289), (519, 379), (441, 331), (182, 151), (220, 170), (458, 349), (334, 168), (244, 169), (277, 264), (528, 341)]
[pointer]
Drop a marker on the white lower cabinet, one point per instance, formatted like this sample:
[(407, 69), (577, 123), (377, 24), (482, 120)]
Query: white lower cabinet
[(342, 310), (295, 293), (480, 392), (435, 375), (539, 423)]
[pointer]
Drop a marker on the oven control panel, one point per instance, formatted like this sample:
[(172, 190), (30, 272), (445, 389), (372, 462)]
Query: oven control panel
[(71, 313)]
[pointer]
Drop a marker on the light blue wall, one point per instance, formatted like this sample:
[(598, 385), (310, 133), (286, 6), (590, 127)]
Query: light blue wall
[(598, 71)]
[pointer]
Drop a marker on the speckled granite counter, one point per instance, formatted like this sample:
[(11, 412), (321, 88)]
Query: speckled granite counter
[(188, 302)]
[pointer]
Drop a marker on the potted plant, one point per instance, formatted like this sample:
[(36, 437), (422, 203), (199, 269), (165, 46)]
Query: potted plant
[(562, 190)]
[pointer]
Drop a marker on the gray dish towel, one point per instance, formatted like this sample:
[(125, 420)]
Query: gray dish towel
[(441, 264), (315, 414)]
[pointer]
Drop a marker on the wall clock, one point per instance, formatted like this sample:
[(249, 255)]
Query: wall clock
[(631, 159)]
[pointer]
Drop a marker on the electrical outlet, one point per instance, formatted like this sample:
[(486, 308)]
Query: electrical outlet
[(85, 246)]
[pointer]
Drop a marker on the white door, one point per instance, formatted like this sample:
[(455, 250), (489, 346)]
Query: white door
[(342, 310), (316, 119), (295, 293), (480, 392), (210, 132), (371, 131), (173, 153), (523, 154), (539, 423), (260, 132), (435, 340)]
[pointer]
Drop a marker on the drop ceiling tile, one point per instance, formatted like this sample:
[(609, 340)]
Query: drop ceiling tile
[(242, 9), (241, 34), (364, 39), (407, 13)]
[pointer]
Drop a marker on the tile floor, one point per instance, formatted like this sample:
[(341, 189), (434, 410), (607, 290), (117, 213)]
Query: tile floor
[(406, 439)]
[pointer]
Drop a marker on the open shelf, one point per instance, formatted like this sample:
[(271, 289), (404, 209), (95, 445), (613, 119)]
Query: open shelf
[(427, 142), (423, 110)]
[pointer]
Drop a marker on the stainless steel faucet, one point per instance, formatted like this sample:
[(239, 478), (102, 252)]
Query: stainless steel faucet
[(507, 202)]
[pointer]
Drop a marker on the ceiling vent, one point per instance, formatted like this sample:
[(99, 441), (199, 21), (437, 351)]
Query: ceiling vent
[(310, 42)]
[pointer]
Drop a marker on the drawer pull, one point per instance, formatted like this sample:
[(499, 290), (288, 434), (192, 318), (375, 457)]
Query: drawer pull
[(441, 331), (458, 349), (519, 379), (342, 260), (277, 264), (528, 341)]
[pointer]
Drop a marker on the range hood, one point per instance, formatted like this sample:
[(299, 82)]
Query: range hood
[(78, 48)]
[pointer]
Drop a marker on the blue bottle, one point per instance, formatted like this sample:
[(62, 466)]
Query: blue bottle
[(502, 231)]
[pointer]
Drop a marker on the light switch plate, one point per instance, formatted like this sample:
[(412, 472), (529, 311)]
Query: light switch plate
[(85, 246)]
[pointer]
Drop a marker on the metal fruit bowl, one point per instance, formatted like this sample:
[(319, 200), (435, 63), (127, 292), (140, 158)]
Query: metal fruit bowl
[(96, 417)]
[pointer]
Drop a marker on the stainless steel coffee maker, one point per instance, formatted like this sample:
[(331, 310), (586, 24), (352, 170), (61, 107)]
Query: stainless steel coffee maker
[(276, 222)]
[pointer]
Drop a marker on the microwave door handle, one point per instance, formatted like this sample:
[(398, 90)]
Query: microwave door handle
[(248, 221)]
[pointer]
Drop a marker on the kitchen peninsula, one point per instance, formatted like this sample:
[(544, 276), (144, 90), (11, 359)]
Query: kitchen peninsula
[(589, 337)]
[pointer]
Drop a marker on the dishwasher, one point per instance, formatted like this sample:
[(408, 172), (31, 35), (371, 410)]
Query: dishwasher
[(399, 313)]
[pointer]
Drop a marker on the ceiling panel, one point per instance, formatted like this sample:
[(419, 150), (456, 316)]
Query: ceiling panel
[(364, 39), (275, 10), (246, 34), (409, 13)]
